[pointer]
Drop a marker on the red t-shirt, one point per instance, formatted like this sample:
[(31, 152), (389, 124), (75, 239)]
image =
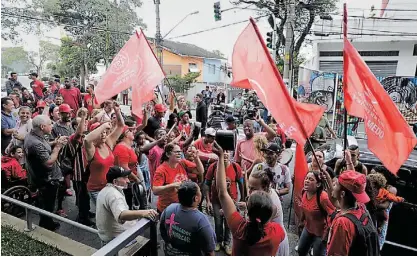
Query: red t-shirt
[(205, 151), (268, 245), (166, 175), (154, 157), (37, 87), (185, 127), (98, 170), (342, 232), (232, 177), (88, 103), (124, 155), (72, 97), (315, 222)]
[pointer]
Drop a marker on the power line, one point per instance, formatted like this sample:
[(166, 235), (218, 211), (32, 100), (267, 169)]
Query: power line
[(215, 28), (362, 29)]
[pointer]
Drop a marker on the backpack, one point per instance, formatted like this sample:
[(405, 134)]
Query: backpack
[(366, 241)]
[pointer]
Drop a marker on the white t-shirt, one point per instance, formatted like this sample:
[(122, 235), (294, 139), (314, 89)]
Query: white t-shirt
[(279, 216), (110, 204), (281, 172)]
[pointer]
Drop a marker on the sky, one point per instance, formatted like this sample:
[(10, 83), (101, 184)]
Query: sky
[(172, 11)]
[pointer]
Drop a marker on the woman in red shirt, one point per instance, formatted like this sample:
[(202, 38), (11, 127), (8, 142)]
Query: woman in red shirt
[(90, 101), (170, 174), (256, 236), (98, 145), (125, 157), (316, 209)]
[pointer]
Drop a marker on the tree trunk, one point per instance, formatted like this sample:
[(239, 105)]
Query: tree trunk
[(82, 75)]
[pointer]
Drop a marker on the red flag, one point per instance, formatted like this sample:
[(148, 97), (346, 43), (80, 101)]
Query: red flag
[(136, 65), (300, 171), (389, 136), (253, 68)]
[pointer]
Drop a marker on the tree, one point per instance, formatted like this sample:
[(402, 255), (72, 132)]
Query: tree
[(182, 84), (47, 52), (14, 55), (217, 52), (305, 13)]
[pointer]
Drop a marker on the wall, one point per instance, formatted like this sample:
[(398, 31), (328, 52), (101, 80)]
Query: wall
[(173, 59), (210, 73)]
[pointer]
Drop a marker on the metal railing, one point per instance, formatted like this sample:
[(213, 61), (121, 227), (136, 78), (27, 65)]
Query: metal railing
[(113, 247), (30, 208)]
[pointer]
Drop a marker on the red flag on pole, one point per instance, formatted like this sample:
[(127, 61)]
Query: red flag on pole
[(389, 136), (253, 68), (136, 65), (300, 170)]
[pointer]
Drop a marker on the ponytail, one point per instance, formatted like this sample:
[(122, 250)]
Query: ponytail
[(167, 150), (259, 211)]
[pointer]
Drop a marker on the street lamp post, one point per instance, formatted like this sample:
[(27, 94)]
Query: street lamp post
[(186, 16)]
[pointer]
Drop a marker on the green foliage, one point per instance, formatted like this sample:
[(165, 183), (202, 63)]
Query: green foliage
[(47, 52), (182, 84), (11, 56), (217, 52), (14, 243)]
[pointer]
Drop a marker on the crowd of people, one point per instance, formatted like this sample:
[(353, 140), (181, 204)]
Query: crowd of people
[(60, 141)]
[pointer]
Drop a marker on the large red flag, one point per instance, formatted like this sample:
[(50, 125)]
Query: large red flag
[(135, 65), (253, 68), (389, 136)]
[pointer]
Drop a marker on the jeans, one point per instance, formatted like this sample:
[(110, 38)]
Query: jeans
[(308, 240), (47, 197), (220, 222), (82, 199)]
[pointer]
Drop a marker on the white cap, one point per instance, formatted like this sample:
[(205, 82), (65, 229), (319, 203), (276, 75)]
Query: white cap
[(210, 132)]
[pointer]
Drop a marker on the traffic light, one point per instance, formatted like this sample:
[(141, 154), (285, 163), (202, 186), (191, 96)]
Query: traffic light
[(217, 11), (269, 40)]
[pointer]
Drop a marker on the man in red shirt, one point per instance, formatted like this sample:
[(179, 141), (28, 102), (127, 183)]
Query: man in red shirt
[(36, 86), (71, 96), (204, 146), (349, 191), (90, 101), (234, 177)]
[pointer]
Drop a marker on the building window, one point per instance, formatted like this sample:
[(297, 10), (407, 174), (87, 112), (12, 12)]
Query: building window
[(212, 68), (192, 67), (362, 53), (415, 50)]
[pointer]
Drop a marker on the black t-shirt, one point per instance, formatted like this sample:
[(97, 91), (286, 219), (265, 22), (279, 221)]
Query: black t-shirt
[(152, 126)]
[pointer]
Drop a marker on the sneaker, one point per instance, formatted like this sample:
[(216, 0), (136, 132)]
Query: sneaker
[(217, 247), (228, 249), (68, 192), (296, 248), (61, 213)]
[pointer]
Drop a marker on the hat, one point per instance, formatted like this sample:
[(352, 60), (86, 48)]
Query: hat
[(355, 182), (160, 108), (230, 118), (34, 74), (94, 126), (272, 147), (116, 172), (210, 132), (181, 113), (65, 108), (125, 128), (41, 104)]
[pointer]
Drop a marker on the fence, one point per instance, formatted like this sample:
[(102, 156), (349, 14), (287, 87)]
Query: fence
[(113, 247)]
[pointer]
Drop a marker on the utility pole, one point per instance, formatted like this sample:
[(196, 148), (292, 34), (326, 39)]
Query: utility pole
[(158, 39), (289, 35)]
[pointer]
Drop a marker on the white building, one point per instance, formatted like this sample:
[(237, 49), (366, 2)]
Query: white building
[(386, 40)]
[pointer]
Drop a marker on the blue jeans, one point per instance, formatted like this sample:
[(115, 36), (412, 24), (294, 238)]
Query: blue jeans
[(307, 241)]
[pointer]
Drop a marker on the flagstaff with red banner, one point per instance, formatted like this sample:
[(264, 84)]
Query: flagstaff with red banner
[(389, 136)]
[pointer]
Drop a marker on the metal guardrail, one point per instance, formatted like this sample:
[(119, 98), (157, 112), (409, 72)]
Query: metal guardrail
[(30, 208), (113, 247), (401, 246)]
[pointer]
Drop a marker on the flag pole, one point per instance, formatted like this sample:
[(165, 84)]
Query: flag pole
[(345, 141)]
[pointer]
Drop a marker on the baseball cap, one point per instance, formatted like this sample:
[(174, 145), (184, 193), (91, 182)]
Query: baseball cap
[(160, 108), (34, 74), (210, 132), (116, 172), (181, 113), (230, 118), (64, 108), (125, 128), (355, 182), (41, 103), (272, 147)]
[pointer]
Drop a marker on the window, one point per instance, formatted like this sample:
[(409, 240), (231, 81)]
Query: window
[(192, 67), (212, 68), (415, 50)]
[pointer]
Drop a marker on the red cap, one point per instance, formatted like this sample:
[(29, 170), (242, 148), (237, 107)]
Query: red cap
[(94, 126), (41, 103), (355, 182), (64, 108), (160, 108), (125, 128)]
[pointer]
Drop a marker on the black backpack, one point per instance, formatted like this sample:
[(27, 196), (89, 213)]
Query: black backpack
[(366, 240)]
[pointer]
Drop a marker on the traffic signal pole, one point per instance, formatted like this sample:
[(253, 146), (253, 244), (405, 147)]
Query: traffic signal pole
[(289, 35)]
